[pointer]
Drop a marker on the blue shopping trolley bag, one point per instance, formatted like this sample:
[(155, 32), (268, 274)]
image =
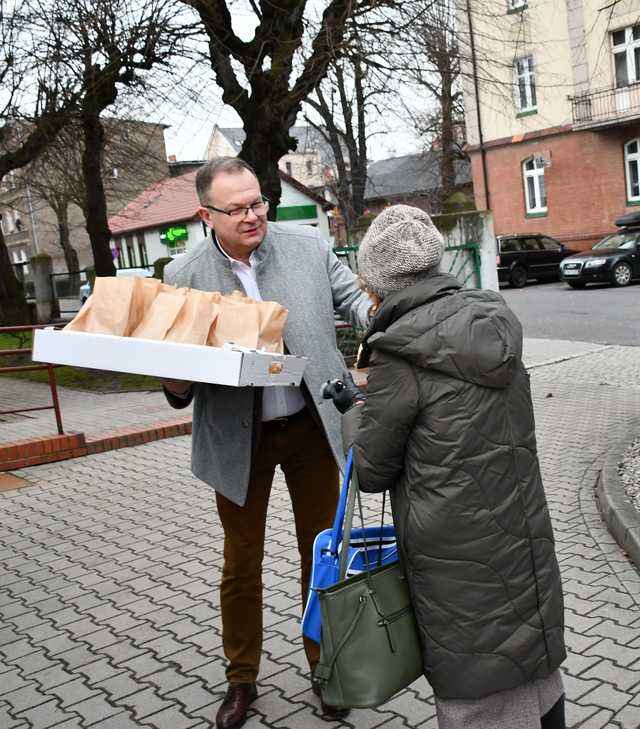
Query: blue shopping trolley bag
[(375, 545)]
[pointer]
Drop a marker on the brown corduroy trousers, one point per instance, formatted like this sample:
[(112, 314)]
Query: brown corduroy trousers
[(300, 448)]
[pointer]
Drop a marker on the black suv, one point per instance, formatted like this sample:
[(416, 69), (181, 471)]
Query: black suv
[(615, 259), (523, 256)]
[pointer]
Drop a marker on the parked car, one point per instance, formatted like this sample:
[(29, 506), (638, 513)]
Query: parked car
[(615, 259), (85, 290), (524, 256)]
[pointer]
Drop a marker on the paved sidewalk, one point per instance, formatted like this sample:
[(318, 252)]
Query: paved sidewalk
[(109, 566), (82, 412)]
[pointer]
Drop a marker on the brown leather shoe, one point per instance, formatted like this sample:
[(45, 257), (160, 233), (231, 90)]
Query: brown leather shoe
[(233, 710), (331, 713)]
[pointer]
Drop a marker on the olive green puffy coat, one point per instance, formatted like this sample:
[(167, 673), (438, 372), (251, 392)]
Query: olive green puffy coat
[(448, 429)]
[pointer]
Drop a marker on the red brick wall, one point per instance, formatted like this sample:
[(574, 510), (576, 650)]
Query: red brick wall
[(586, 188)]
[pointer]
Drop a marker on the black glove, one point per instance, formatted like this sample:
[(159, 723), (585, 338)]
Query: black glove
[(344, 393)]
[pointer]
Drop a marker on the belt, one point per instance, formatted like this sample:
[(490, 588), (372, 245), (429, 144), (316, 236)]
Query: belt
[(286, 421)]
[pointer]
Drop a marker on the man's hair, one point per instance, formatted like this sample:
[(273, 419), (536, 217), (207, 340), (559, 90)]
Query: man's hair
[(214, 167)]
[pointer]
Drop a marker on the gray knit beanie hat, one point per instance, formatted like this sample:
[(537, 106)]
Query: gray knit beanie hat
[(401, 246)]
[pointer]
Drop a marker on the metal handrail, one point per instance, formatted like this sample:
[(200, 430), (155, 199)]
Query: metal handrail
[(606, 104), (55, 406)]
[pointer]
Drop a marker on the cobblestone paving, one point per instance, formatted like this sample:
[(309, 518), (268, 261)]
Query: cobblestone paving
[(82, 412), (109, 566)]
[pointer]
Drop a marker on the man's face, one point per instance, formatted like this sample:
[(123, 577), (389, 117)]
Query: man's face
[(239, 234)]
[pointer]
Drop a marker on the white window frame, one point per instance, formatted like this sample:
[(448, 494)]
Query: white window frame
[(632, 158), (537, 205), (628, 49), (525, 81)]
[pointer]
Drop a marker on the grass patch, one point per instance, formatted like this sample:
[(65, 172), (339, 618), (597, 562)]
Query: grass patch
[(78, 378)]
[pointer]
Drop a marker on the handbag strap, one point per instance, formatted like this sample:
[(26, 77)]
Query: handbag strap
[(323, 671), (336, 530), (348, 523)]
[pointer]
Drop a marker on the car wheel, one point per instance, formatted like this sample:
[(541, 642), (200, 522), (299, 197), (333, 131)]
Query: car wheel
[(577, 284), (621, 274), (518, 277)]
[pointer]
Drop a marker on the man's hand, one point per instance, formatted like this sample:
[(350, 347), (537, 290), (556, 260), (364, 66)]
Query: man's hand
[(176, 387)]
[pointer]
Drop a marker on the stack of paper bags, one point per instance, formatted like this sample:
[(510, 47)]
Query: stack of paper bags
[(149, 309)]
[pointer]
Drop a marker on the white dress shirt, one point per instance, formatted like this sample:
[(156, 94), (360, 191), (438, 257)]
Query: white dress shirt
[(278, 401)]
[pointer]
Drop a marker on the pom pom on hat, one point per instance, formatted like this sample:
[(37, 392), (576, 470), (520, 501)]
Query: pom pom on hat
[(401, 246)]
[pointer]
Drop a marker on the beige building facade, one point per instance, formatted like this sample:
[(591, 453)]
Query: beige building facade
[(311, 163), (552, 101)]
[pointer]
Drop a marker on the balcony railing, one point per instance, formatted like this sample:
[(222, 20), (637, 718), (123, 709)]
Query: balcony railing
[(606, 107)]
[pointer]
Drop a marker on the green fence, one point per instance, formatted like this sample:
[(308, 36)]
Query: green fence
[(464, 263)]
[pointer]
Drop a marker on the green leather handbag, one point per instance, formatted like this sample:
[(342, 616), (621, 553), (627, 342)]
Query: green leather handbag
[(370, 648)]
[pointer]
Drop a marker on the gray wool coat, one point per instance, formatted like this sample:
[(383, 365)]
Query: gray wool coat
[(448, 429), (298, 269)]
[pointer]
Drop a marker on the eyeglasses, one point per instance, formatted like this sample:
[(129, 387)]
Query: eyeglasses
[(258, 208)]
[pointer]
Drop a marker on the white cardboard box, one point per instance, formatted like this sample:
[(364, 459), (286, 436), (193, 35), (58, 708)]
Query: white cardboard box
[(230, 365)]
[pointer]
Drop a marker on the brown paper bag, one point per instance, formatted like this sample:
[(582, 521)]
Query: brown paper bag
[(160, 317), (194, 322), (151, 287), (237, 322), (272, 319), (138, 307), (109, 310)]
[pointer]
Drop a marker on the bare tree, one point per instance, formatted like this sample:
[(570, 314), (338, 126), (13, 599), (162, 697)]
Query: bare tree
[(132, 159), (256, 76), (344, 102), (37, 96), (115, 43), (431, 64)]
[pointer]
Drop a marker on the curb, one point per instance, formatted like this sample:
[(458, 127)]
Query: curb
[(622, 518), (565, 357), (49, 449)]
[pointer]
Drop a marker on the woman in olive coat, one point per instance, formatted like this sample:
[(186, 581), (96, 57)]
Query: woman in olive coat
[(448, 429)]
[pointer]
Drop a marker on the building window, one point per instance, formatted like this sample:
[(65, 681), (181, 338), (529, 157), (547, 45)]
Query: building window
[(309, 167), (21, 259), (131, 253), (516, 5), (142, 250), (626, 55), (179, 248), (534, 189), (632, 169), (288, 168), (524, 85)]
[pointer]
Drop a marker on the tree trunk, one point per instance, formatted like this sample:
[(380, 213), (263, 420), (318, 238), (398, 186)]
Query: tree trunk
[(14, 309), (70, 253), (267, 141), (447, 138), (95, 208)]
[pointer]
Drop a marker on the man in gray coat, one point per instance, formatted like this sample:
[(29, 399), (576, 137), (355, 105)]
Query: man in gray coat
[(240, 434)]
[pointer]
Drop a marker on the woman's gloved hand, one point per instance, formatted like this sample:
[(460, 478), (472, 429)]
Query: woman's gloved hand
[(344, 392)]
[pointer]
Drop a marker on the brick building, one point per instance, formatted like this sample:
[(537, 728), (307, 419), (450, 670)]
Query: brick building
[(552, 96)]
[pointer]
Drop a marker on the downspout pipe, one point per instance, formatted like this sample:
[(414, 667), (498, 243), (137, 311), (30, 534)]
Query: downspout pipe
[(474, 69)]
